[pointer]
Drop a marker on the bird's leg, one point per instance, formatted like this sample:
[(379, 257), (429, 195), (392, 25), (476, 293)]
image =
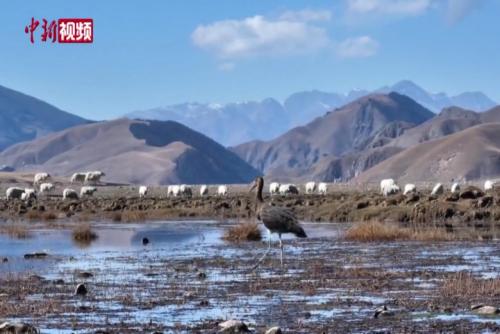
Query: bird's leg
[(265, 254), (269, 238), (281, 248)]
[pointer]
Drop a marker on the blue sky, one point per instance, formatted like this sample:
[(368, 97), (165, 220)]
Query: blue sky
[(154, 53)]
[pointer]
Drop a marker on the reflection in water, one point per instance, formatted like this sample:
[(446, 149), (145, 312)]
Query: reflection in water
[(174, 238), (83, 243), (168, 237)]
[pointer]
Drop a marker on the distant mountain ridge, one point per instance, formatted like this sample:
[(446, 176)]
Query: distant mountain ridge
[(267, 119), (229, 123), (361, 140), (360, 136), (470, 154), (131, 151), (475, 101), (309, 150), (23, 118)]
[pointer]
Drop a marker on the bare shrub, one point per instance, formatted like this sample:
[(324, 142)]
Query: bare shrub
[(246, 231), (84, 234)]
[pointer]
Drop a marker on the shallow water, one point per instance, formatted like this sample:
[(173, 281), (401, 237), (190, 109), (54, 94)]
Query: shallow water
[(135, 285)]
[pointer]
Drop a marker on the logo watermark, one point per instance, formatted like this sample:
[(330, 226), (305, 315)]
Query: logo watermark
[(67, 30)]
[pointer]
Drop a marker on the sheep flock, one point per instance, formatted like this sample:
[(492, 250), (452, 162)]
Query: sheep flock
[(88, 182), (389, 187)]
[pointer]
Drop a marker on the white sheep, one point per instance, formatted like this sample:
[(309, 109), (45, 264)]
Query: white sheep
[(173, 190), (185, 190), (388, 187), (29, 193), (274, 188), (322, 188), (286, 189), (46, 187), (25, 196), (87, 191), (204, 190), (14, 192), (455, 187), (78, 177), (409, 188), (70, 194), (94, 177), (222, 190), (143, 191), (40, 177), (310, 187), (392, 190), (437, 190), (488, 185), (386, 183)]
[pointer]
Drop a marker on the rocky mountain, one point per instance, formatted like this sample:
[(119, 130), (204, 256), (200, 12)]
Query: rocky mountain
[(267, 119), (312, 150), (301, 154), (398, 136), (128, 151), (24, 118), (476, 101), (302, 107), (473, 153), (228, 124), (449, 121)]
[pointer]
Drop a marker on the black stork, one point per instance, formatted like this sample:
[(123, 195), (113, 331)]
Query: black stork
[(276, 219)]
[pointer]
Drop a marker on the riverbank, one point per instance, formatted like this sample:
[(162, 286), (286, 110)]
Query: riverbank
[(469, 208)]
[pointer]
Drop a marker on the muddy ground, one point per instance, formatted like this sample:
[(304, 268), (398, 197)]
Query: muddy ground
[(187, 280)]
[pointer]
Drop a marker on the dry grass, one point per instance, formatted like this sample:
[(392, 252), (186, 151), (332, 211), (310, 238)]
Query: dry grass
[(247, 231), (18, 231), (84, 234), (40, 215), (377, 231), (49, 215), (33, 215), (85, 217), (129, 216), (433, 234), (133, 216), (116, 217), (464, 284)]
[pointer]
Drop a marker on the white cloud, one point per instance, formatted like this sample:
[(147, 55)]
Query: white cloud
[(457, 9), (389, 7), (307, 15), (358, 47), (254, 36)]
